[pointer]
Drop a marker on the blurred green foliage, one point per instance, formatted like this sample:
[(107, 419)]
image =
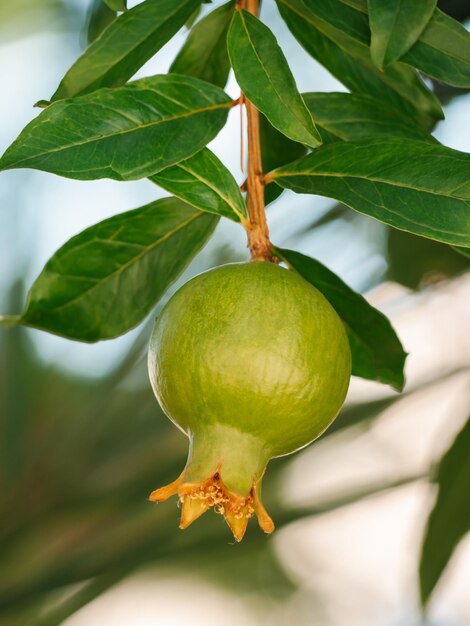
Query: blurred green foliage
[(22, 17), (78, 460)]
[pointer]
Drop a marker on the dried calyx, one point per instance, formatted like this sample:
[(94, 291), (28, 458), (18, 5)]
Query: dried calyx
[(196, 499)]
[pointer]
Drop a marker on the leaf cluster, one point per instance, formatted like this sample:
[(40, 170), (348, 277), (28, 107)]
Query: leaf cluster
[(370, 149)]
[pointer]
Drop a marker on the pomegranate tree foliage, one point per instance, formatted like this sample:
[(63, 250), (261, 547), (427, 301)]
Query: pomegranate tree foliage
[(371, 149)]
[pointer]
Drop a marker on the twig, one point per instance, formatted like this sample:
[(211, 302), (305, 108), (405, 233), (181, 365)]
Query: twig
[(256, 226)]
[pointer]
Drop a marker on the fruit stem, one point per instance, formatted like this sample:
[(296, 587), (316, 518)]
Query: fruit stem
[(256, 226)]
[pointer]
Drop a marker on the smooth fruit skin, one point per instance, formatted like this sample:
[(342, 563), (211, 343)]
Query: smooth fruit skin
[(251, 362)]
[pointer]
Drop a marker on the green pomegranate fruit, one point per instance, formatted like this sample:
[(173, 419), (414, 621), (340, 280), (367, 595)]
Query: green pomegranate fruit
[(251, 362)]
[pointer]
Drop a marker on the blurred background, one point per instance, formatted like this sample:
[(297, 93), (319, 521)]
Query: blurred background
[(83, 442)]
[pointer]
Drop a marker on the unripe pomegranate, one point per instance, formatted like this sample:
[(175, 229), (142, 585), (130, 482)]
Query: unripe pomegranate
[(251, 362)]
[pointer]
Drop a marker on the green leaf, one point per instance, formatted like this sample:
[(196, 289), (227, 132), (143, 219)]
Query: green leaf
[(463, 251), (117, 5), (345, 53), (411, 185), (204, 54), (100, 17), (352, 117), (190, 21), (450, 519), (205, 182), (338, 116), (126, 133), (265, 78), (104, 281), (276, 150), (377, 353), (415, 261), (395, 26), (129, 42), (443, 51)]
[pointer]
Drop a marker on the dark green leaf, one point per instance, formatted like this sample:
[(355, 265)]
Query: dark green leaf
[(377, 353), (205, 55), (352, 117), (117, 5), (125, 133), (265, 78), (450, 519), (464, 251), (416, 262), (443, 51), (341, 21), (415, 186), (100, 17), (104, 281), (131, 40), (190, 21), (395, 27), (205, 182), (272, 193), (276, 150), (348, 58)]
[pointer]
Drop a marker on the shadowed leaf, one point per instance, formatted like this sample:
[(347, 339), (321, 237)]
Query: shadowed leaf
[(104, 281), (450, 519), (100, 17), (463, 251), (442, 50), (338, 37), (204, 54), (276, 150), (117, 5), (353, 116), (395, 27)]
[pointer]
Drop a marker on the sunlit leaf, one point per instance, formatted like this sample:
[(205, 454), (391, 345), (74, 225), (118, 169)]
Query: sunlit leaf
[(265, 78), (205, 182), (131, 40), (415, 186), (125, 133)]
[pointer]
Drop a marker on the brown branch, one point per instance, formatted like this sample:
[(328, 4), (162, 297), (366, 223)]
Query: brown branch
[(256, 226)]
